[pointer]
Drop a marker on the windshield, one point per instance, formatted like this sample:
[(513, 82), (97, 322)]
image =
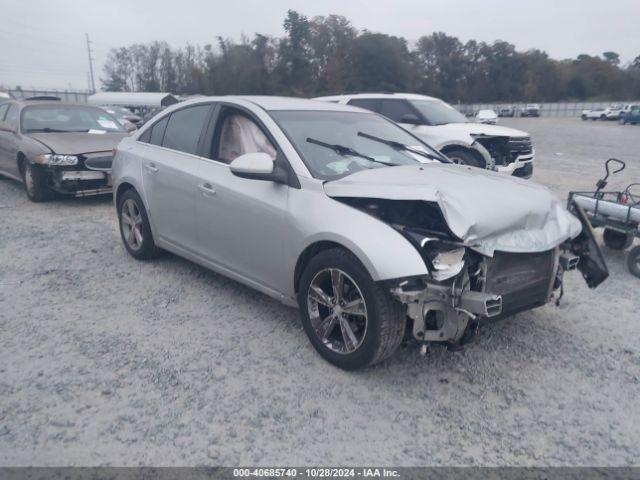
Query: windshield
[(331, 147), (67, 118), (437, 112)]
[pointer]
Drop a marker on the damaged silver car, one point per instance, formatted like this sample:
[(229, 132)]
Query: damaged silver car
[(337, 210)]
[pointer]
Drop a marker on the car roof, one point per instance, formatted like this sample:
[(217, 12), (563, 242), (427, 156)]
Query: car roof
[(274, 103), (26, 103), (404, 96)]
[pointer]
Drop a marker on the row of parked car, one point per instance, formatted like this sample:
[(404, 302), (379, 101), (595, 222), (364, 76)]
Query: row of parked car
[(624, 114), (337, 205), (60, 148)]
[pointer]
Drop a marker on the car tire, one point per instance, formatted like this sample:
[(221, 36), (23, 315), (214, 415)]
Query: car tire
[(370, 335), (616, 240), (633, 261), (135, 229), (603, 117), (35, 183), (463, 157), (584, 117)]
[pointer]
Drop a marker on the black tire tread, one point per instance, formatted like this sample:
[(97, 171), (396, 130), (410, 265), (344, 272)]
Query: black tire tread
[(632, 261), (41, 193), (613, 239)]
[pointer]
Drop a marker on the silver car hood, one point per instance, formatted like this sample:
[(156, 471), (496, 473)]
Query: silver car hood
[(487, 210)]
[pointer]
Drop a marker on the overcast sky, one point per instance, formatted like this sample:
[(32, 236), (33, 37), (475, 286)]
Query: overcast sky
[(42, 42)]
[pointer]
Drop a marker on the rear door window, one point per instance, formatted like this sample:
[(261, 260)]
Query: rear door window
[(12, 116), (372, 104), (184, 128)]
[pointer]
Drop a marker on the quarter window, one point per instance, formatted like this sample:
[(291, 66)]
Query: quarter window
[(184, 128), (157, 131), (3, 110)]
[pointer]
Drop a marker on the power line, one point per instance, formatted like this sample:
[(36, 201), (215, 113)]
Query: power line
[(93, 83)]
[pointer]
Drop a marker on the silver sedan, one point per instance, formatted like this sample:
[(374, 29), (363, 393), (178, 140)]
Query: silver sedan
[(372, 233)]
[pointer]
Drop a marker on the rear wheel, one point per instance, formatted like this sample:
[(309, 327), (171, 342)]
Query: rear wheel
[(633, 261), (463, 157), (617, 240), (350, 320), (35, 183), (135, 229)]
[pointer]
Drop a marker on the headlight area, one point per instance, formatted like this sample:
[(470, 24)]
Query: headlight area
[(56, 160), (447, 303)]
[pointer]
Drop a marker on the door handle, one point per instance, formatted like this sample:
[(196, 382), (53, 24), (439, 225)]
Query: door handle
[(207, 189), (151, 167)]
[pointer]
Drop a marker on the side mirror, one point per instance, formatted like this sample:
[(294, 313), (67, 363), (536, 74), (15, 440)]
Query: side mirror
[(129, 127), (410, 118), (257, 166), (7, 127)]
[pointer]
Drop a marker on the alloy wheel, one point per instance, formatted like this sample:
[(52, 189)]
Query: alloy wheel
[(337, 311), (131, 221)]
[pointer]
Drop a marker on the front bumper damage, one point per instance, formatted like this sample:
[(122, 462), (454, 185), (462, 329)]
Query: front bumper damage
[(91, 176), (508, 155), (489, 287)]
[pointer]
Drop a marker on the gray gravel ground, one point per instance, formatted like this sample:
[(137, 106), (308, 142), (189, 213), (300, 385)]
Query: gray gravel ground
[(108, 361)]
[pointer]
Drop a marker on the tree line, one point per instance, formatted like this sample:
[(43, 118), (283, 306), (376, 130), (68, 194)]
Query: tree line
[(327, 54)]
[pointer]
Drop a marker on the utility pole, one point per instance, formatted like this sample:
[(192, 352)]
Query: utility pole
[(93, 83)]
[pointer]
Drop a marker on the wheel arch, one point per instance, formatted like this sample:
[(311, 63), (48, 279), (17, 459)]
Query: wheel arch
[(123, 187), (478, 151), (21, 157), (308, 253)]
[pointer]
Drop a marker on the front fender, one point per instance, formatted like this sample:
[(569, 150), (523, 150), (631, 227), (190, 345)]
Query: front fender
[(384, 252)]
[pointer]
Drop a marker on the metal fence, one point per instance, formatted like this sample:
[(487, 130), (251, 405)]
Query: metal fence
[(559, 109), (64, 95)]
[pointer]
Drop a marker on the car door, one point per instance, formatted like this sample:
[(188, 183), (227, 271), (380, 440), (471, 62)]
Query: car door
[(7, 144), (169, 172), (241, 222)]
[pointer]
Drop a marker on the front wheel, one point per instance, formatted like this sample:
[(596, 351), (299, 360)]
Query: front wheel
[(463, 157), (350, 320), (633, 261), (35, 183), (617, 240)]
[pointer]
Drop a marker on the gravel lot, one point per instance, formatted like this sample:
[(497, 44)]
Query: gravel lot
[(108, 361)]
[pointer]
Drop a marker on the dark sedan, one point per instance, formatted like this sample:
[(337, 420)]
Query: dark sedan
[(55, 147)]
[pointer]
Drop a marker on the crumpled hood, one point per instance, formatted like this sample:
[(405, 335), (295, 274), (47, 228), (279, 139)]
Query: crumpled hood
[(487, 210), (78, 143)]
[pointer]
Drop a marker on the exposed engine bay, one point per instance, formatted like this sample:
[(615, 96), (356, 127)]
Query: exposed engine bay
[(465, 285)]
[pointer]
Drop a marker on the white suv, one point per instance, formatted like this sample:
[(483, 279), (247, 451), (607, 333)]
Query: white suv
[(493, 147)]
